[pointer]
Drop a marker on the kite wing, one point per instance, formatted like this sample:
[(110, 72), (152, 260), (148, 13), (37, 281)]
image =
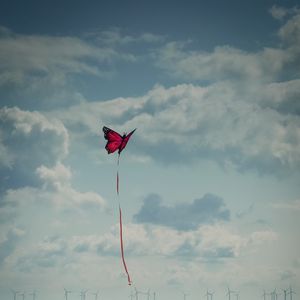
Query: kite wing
[(114, 140), (125, 140)]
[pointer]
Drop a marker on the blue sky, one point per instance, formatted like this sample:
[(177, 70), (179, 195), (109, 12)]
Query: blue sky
[(210, 179)]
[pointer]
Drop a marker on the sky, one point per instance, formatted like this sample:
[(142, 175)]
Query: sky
[(209, 182)]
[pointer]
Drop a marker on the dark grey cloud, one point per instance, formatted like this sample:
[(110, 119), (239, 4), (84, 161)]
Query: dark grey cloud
[(185, 216), (9, 244)]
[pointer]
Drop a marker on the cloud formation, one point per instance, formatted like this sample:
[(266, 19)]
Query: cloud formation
[(46, 255), (207, 243), (188, 122), (34, 147), (244, 115), (206, 210), (42, 71), (226, 63), (116, 36), (8, 245), (58, 189), (25, 56), (288, 205), (28, 140)]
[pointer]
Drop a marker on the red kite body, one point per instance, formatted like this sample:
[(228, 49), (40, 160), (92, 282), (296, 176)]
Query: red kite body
[(115, 141)]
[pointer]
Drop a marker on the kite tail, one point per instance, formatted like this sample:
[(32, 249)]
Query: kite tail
[(118, 174), (121, 227), (122, 249)]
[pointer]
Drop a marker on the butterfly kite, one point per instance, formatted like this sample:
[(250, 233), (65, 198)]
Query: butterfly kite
[(115, 142)]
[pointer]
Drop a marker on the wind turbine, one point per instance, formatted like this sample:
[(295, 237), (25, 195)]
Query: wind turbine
[(148, 294), (229, 293), (154, 295), (264, 295), (23, 295), (184, 295), (67, 293), (131, 295), (96, 295), (136, 294), (83, 294), (209, 295), (291, 292), (285, 291), (143, 293), (15, 294), (274, 295), (33, 294)]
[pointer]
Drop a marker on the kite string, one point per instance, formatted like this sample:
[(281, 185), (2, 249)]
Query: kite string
[(121, 227)]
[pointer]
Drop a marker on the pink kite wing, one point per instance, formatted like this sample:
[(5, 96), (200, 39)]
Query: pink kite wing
[(125, 140), (114, 140), (111, 147)]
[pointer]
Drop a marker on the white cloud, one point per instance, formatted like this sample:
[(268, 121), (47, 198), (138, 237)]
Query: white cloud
[(245, 117), (247, 69), (59, 176), (152, 38), (23, 56), (58, 189), (259, 237), (9, 243), (23, 125), (116, 36), (278, 12), (290, 205), (6, 158), (224, 63), (282, 96), (42, 71), (46, 255), (32, 167), (290, 31), (199, 122), (209, 242), (29, 139)]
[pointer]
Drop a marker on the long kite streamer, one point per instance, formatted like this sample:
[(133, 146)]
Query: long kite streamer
[(117, 142), (122, 249)]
